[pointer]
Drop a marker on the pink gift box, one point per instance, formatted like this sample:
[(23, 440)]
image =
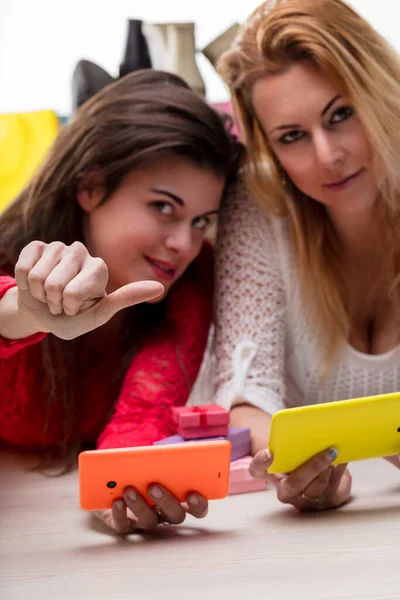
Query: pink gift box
[(245, 487), (208, 415), (240, 480), (194, 433)]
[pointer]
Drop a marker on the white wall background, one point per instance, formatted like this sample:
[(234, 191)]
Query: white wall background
[(42, 40)]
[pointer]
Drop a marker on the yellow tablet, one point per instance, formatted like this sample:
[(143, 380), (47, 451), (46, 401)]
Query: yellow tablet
[(359, 429)]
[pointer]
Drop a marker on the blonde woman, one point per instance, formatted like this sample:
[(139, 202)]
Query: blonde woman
[(308, 290)]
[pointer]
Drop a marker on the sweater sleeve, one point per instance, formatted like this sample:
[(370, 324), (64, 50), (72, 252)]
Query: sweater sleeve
[(10, 347), (163, 372), (249, 344)]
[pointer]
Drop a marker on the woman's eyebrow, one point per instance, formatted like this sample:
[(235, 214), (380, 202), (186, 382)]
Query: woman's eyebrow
[(297, 126), (174, 197)]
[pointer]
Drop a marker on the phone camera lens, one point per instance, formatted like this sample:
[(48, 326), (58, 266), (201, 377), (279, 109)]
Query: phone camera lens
[(112, 484)]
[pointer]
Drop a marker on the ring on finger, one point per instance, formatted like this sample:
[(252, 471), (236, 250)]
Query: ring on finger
[(316, 499), (161, 519)]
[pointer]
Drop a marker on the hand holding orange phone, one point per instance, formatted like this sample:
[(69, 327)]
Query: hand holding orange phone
[(153, 481)]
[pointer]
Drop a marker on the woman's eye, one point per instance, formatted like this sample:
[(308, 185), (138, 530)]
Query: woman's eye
[(164, 208), (341, 114), (291, 136), (201, 223)]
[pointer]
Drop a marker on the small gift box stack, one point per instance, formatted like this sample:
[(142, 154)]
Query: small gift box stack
[(211, 422), (240, 480), (238, 437)]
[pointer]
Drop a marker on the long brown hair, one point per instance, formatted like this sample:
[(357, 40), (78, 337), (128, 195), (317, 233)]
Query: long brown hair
[(330, 35), (145, 114)]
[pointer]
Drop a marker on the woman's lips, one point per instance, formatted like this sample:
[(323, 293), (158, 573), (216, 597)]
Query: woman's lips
[(161, 268), (344, 183)]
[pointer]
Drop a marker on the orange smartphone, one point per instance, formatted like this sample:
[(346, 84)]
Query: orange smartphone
[(201, 467)]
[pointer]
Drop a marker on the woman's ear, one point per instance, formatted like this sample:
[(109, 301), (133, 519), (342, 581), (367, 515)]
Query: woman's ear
[(91, 190)]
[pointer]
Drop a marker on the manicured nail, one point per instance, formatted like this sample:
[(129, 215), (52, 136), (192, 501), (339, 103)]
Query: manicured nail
[(266, 455), (119, 505), (131, 493), (156, 492), (193, 499), (331, 454)]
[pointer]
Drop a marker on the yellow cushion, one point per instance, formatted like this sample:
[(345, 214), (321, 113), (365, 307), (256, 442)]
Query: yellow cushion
[(24, 140)]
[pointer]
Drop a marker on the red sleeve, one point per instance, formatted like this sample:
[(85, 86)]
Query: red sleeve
[(162, 374), (10, 347)]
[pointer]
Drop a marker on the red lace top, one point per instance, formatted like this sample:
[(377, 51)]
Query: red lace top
[(160, 376)]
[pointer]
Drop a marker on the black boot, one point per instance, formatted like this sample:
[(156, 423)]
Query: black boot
[(136, 51)]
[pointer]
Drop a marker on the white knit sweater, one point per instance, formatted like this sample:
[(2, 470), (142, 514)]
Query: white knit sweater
[(263, 349)]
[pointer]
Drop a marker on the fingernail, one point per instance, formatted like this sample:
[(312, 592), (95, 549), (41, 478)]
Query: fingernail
[(132, 495), (331, 454), (193, 499), (156, 491), (266, 455), (119, 505)]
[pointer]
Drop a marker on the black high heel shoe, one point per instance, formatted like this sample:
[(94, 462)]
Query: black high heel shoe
[(136, 50)]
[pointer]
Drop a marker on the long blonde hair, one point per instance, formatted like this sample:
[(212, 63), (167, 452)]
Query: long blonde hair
[(335, 39)]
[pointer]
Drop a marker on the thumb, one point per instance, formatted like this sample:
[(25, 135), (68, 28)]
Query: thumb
[(260, 463), (129, 295), (337, 474)]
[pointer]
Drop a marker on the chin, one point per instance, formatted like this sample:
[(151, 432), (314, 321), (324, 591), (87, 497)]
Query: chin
[(354, 208)]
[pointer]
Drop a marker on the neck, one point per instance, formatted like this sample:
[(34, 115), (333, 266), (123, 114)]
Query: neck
[(359, 233)]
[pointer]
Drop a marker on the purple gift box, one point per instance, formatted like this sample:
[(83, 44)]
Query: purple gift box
[(239, 437)]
